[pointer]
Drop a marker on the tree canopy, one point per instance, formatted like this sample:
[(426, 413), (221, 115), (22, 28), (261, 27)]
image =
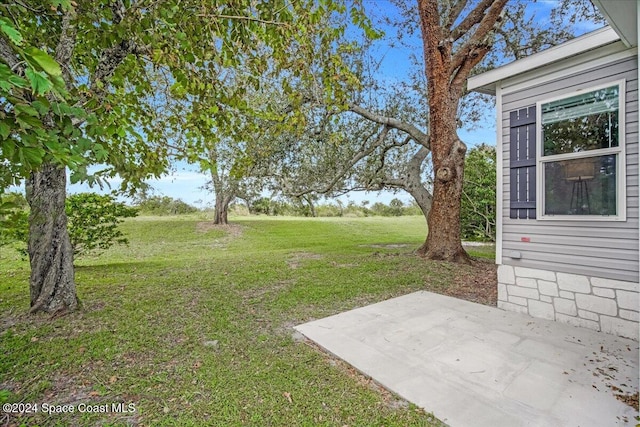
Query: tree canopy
[(86, 82)]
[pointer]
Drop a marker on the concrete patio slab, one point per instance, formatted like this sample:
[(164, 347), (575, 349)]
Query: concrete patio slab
[(474, 365)]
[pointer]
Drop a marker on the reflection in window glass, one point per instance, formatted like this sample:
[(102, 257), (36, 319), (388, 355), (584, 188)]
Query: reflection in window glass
[(581, 186), (581, 123)]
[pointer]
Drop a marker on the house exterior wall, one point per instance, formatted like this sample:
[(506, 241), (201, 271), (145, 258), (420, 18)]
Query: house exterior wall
[(581, 272)]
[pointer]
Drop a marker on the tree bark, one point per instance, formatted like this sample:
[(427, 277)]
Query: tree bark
[(312, 206), (444, 235), (221, 209), (52, 284)]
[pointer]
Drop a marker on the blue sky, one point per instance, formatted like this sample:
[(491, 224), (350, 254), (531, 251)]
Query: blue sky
[(187, 183)]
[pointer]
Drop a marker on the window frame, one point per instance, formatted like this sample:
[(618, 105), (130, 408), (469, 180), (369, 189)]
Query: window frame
[(619, 151)]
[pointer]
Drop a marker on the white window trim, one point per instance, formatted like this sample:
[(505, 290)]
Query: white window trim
[(621, 197)]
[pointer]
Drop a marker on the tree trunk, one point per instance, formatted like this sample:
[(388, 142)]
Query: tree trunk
[(444, 89), (52, 283), (221, 210), (312, 206), (447, 152)]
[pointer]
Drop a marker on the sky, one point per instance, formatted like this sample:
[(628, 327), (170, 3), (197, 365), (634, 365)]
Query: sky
[(187, 184)]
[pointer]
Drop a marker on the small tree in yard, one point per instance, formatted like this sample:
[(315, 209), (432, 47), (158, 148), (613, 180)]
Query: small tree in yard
[(93, 221), (478, 207)]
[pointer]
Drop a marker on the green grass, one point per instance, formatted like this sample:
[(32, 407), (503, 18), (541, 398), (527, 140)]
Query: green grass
[(193, 324)]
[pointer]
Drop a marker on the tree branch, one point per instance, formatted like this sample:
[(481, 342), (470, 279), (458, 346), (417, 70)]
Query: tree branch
[(474, 49), (243, 18), (355, 159), (66, 44), (8, 55), (455, 12), (415, 133), (473, 18)]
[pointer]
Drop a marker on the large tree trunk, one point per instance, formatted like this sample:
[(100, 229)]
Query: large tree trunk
[(52, 283), (221, 210), (444, 235), (447, 151)]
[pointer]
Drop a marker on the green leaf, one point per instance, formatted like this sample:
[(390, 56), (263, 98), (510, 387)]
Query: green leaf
[(41, 105), (28, 122), (47, 63), (66, 4), (32, 155), (22, 109), (13, 34), (39, 81), (18, 81), (5, 130)]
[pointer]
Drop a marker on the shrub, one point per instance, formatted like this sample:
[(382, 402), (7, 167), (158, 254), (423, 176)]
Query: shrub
[(478, 207), (93, 221)]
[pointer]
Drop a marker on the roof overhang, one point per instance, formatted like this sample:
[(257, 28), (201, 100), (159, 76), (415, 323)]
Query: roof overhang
[(486, 82), (623, 18)]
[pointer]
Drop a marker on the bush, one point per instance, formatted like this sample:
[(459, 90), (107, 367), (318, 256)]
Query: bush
[(478, 207), (164, 205), (93, 221), (14, 220)]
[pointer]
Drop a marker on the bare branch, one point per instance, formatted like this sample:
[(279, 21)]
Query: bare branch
[(387, 148), (455, 12), (415, 133), (473, 18), (8, 55), (474, 49), (66, 44)]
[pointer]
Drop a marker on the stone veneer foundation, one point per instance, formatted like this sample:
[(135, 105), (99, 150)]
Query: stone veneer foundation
[(605, 305)]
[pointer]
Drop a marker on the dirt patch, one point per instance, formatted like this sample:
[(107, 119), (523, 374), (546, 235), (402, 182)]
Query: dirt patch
[(476, 283), (252, 296), (232, 230), (297, 258)]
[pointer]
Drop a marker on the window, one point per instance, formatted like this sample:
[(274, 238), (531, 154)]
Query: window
[(581, 155)]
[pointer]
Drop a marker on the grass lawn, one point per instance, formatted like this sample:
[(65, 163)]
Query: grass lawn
[(192, 324)]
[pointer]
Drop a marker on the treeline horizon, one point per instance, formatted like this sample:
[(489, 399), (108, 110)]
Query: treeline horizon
[(165, 205)]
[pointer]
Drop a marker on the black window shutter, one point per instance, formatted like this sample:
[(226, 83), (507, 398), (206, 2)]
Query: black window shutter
[(522, 139)]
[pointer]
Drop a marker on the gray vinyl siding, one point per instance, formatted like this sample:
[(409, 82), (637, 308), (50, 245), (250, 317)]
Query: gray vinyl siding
[(607, 249)]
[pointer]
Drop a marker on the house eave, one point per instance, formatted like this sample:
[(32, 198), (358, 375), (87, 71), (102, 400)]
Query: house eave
[(486, 82), (623, 17)]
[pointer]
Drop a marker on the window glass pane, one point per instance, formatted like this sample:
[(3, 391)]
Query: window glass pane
[(580, 186), (580, 123)]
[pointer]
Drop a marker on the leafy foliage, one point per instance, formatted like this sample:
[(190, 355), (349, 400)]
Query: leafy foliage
[(93, 221), (14, 219), (478, 210)]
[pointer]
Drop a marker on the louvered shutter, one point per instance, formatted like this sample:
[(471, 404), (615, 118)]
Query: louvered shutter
[(522, 127)]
